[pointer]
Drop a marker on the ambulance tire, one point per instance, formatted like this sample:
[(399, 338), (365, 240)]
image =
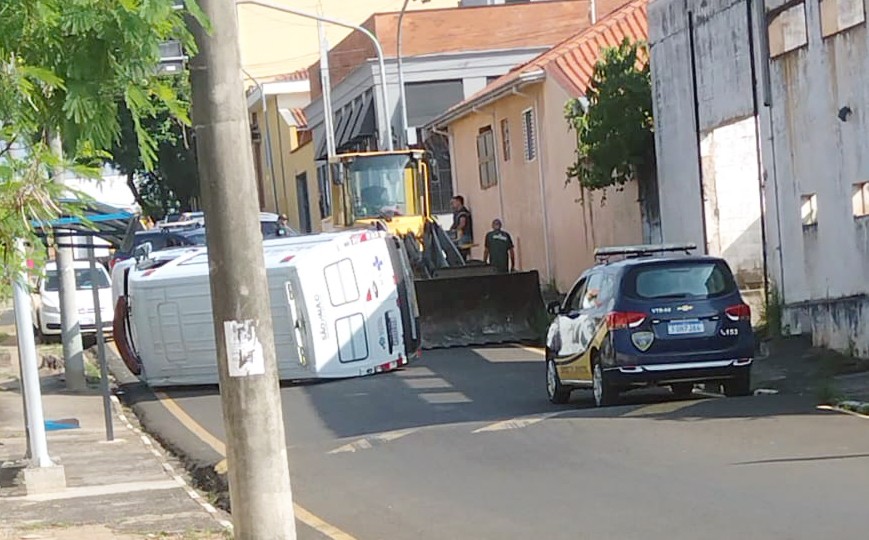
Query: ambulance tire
[(122, 340)]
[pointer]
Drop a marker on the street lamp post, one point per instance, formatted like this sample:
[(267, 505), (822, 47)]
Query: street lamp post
[(385, 124), (401, 92)]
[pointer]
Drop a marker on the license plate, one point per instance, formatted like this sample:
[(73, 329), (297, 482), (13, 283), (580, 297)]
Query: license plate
[(681, 328)]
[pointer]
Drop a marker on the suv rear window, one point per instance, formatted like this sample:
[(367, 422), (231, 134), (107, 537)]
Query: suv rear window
[(689, 279)]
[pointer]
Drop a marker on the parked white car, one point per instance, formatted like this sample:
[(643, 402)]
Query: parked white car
[(46, 299)]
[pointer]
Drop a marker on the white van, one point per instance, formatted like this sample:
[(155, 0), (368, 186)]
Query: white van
[(343, 305)]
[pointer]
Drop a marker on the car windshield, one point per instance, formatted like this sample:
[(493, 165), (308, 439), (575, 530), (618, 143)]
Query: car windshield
[(378, 185), (197, 238), (675, 280), (82, 280)]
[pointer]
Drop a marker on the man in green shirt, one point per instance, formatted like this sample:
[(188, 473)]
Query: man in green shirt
[(499, 247)]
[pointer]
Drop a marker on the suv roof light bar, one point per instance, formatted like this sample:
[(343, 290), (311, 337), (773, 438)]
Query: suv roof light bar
[(604, 254)]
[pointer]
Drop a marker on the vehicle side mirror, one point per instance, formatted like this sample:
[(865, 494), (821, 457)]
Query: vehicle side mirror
[(142, 251), (554, 307)]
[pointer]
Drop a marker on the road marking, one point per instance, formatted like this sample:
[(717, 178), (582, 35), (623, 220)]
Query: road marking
[(540, 351), (444, 398), (661, 408), (517, 423), (373, 440), (306, 517)]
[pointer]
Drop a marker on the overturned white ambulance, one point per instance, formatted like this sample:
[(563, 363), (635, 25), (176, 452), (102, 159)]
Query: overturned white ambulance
[(343, 305)]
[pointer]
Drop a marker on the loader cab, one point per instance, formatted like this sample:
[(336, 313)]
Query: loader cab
[(390, 188)]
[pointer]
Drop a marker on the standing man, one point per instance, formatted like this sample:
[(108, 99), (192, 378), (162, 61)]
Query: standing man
[(283, 226), (462, 230), (499, 246)]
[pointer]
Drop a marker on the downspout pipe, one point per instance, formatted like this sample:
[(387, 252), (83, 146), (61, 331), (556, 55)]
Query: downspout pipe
[(550, 272), (696, 102), (757, 135)]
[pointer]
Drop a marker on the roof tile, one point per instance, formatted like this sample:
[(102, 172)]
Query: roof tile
[(571, 62)]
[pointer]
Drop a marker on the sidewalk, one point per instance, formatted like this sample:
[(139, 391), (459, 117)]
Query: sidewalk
[(127, 489)]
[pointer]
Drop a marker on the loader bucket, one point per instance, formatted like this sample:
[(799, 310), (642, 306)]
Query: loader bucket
[(467, 310)]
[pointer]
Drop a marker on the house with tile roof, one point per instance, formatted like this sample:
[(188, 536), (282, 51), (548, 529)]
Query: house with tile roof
[(279, 128), (448, 54), (510, 149)]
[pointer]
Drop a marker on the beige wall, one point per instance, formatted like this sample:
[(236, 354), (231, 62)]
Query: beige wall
[(574, 228), (301, 160), (274, 43), (288, 161)]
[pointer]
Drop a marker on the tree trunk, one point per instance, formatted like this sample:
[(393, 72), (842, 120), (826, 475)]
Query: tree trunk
[(131, 183)]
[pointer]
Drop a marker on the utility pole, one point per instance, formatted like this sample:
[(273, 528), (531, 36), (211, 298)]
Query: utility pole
[(326, 84), (70, 329), (42, 475), (384, 122), (259, 477)]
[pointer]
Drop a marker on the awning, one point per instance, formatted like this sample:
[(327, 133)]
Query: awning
[(105, 221), (365, 123), (352, 123)]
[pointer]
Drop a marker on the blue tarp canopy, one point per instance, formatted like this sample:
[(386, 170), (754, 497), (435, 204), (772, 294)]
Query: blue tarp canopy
[(98, 219)]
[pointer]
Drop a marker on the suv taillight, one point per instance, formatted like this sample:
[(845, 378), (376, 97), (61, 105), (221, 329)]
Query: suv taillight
[(739, 312), (617, 320)]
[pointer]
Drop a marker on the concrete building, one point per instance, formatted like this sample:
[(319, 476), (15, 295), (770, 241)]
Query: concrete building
[(511, 149), (789, 79), (449, 55)]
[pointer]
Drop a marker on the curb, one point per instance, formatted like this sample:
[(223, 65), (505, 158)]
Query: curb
[(204, 473), (167, 467), (860, 409)]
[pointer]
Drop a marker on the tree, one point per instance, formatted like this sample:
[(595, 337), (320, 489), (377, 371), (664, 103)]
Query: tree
[(64, 66), (615, 141), (173, 183)]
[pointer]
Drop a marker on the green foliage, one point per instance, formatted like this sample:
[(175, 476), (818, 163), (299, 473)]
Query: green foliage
[(65, 66), (614, 137), (174, 181)]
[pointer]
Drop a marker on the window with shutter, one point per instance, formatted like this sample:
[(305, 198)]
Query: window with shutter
[(486, 157), (529, 130)]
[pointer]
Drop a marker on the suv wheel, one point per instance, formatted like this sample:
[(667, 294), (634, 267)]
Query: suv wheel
[(604, 393), (740, 385), (558, 394)]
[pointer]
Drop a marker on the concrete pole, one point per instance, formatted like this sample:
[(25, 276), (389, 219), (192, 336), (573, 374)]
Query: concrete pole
[(326, 84), (402, 97), (259, 477), (30, 374), (101, 343), (385, 125), (70, 329)]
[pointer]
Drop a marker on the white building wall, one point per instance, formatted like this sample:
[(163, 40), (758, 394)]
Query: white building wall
[(728, 143), (823, 269), (820, 271)]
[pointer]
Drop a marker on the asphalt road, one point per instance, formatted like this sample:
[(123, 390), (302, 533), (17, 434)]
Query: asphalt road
[(464, 444)]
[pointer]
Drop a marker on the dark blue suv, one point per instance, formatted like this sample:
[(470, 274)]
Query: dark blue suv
[(650, 319)]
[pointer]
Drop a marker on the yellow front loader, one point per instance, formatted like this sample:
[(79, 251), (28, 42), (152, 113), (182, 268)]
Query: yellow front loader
[(461, 302)]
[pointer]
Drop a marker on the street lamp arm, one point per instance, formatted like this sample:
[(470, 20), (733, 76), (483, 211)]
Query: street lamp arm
[(384, 92)]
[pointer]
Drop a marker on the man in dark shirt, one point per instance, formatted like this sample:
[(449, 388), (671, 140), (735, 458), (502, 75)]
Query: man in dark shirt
[(499, 247), (462, 230)]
